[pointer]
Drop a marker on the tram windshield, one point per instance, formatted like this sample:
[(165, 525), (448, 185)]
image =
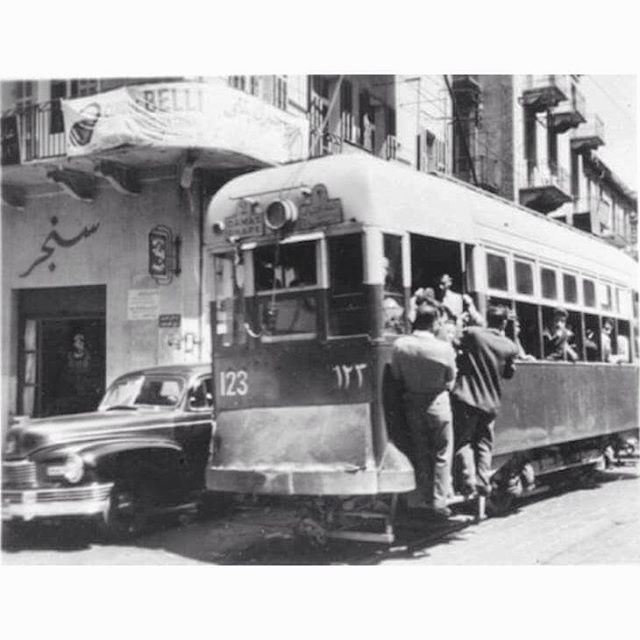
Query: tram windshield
[(285, 274)]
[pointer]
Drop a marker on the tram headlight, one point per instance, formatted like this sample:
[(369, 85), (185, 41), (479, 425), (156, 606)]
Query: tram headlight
[(279, 213)]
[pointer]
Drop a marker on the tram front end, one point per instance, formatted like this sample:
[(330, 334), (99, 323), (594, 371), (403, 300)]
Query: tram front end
[(297, 368)]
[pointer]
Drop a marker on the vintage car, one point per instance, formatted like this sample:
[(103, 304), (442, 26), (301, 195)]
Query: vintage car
[(143, 451)]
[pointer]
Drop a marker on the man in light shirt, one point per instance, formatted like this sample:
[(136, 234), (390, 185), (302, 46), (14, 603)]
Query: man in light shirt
[(425, 370)]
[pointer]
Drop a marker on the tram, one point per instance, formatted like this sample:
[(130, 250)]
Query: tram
[(311, 269)]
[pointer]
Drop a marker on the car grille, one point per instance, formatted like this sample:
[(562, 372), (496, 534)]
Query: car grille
[(18, 474)]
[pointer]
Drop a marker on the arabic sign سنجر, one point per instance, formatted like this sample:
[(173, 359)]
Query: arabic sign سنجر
[(53, 240)]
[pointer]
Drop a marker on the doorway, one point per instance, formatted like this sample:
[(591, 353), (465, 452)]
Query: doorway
[(62, 350)]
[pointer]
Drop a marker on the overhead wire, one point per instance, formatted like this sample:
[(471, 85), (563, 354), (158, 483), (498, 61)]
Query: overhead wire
[(613, 101)]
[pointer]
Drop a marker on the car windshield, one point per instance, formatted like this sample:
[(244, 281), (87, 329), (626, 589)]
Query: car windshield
[(132, 392)]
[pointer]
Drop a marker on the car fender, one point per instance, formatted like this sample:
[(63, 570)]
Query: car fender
[(99, 456)]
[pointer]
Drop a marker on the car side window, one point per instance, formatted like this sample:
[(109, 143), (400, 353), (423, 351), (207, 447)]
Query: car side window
[(201, 396)]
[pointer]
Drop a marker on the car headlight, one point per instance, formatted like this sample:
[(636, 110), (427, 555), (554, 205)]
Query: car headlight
[(72, 469), (11, 444)]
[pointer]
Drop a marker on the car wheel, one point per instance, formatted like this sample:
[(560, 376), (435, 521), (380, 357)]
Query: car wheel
[(127, 512)]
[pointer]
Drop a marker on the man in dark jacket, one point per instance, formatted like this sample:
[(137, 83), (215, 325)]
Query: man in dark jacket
[(486, 356)]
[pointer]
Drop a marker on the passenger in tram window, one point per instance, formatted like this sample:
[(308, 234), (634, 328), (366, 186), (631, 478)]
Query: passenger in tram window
[(393, 315), (607, 345), (487, 355), (449, 299), (514, 323), (420, 296), (590, 345), (425, 369), (560, 339)]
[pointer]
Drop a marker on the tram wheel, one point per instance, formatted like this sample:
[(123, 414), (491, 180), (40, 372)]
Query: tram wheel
[(501, 500)]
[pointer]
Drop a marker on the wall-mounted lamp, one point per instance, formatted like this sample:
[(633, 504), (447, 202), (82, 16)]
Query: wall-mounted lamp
[(164, 254)]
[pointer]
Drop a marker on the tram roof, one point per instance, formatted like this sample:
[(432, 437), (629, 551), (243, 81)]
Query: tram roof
[(399, 198)]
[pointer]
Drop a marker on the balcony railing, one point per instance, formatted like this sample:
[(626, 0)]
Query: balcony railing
[(389, 148), (546, 189), (35, 132), (569, 114), (589, 135), (545, 91)]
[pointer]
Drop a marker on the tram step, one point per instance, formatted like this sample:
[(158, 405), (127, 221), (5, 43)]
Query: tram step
[(365, 514), (362, 536)]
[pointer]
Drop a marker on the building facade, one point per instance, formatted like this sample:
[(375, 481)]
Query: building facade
[(104, 187), (532, 139), (105, 183)]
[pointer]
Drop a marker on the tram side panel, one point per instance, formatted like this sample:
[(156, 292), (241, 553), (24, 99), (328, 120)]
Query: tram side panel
[(548, 404)]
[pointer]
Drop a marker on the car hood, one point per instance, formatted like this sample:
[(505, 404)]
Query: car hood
[(32, 435)]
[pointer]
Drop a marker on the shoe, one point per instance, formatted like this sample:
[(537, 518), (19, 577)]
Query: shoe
[(469, 492), (483, 491), (440, 513)]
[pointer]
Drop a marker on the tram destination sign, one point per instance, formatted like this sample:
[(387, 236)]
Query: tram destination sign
[(318, 210), (314, 210), (246, 221)]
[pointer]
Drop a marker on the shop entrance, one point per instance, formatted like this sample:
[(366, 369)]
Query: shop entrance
[(62, 350)]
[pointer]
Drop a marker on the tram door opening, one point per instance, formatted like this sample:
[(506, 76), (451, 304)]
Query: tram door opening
[(433, 257), (62, 350)]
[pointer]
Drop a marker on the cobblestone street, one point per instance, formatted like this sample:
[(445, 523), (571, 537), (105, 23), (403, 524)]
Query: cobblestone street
[(597, 523)]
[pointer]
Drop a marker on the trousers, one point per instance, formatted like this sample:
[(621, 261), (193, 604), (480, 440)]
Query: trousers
[(473, 431), (430, 423)]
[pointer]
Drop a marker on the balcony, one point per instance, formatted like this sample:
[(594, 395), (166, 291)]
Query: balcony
[(569, 114), (33, 133), (546, 190), (589, 135), (147, 125), (544, 92), (486, 172)]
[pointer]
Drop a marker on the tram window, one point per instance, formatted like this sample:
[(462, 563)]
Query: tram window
[(497, 301), (561, 335), (528, 319), (570, 288), (549, 283), (228, 304), (592, 344), (625, 308), (392, 263), (623, 342), (285, 266), (524, 277), (606, 301), (347, 305), (288, 314), (589, 293), (393, 305), (497, 272)]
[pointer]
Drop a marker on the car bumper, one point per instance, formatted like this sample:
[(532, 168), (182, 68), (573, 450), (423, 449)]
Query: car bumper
[(29, 504)]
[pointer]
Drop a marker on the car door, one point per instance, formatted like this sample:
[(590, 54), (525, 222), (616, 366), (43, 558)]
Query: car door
[(197, 437)]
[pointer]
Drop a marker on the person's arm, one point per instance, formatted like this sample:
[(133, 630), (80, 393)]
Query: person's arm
[(510, 365), (451, 370), (475, 317)]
